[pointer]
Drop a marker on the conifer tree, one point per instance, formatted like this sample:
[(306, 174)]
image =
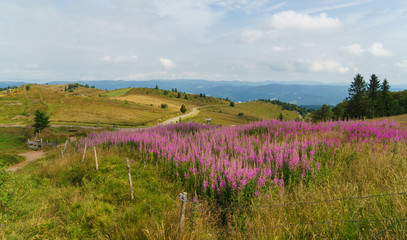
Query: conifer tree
[(385, 98), (357, 97), (41, 121), (373, 90)]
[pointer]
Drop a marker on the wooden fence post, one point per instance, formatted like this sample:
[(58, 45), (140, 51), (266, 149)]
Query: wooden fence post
[(84, 152), (182, 214), (129, 176), (41, 144), (62, 154), (66, 142), (96, 158)]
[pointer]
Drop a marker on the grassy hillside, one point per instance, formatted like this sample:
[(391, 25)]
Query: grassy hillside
[(125, 107), (87, 106), (242, 113)]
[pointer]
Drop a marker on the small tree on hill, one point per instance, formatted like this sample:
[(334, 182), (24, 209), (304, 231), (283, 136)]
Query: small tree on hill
[(232, 104), (41, 121), (183, 108)]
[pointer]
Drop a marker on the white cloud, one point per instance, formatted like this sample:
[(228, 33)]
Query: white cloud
[(119, 59), (290, 20), (281, 49), (377, 50), (189, 74), (328, 66), (253, 36), (402, 64), (137, 76), (167, 63), (354, 49), (244, 5), (31, 66)]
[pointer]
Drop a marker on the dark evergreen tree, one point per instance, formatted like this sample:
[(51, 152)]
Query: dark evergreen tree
[(179, 95), (357, 98), (183, 108), (41, 121), (385, 98), (373, 91)]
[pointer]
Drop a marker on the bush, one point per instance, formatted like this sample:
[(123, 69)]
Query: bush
[(232, 104), (240, 114), (41, 121), (164, 105), (183, 108)]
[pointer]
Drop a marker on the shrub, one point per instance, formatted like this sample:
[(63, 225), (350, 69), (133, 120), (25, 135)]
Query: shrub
[(183, 108)]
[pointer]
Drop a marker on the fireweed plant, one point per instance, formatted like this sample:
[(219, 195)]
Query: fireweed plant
[(236, 164)]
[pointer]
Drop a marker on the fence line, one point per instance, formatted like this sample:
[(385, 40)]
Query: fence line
[(306, 203), (314, 223), (352, 221), (390, 227)]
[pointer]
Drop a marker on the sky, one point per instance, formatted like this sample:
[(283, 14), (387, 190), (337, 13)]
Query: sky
[(246, 40)]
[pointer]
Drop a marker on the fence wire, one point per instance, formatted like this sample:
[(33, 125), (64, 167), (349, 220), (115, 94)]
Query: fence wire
[(304, 203), (353, 221)]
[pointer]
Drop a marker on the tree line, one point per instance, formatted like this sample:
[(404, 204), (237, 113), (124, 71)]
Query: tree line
[(370, 99), (288, 106), (6, 88)]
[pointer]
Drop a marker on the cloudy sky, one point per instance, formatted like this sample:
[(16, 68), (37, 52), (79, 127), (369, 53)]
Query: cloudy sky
[(248, 40)]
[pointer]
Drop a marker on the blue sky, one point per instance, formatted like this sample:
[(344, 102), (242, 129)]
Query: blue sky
[(327, 41)]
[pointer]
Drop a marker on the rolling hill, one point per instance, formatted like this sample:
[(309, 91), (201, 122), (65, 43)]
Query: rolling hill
[(124, 107)]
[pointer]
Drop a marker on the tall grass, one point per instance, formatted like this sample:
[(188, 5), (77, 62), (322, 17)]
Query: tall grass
[(292, 170)]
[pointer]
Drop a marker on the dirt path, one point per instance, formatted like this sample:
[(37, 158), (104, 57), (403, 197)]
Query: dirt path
[(29, 156), (175, 119)]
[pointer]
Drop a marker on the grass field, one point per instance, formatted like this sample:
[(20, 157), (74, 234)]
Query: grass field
[(252, 111), (116, 93), (123, 107), (12, 142)]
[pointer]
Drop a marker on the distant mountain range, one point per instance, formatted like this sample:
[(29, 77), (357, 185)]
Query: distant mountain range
[(294, 92), (239, 91)]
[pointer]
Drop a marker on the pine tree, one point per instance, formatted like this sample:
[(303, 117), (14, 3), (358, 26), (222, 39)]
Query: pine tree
[(373, 90), (41, 121), (385, 98), (183, 108), (357, 97)]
